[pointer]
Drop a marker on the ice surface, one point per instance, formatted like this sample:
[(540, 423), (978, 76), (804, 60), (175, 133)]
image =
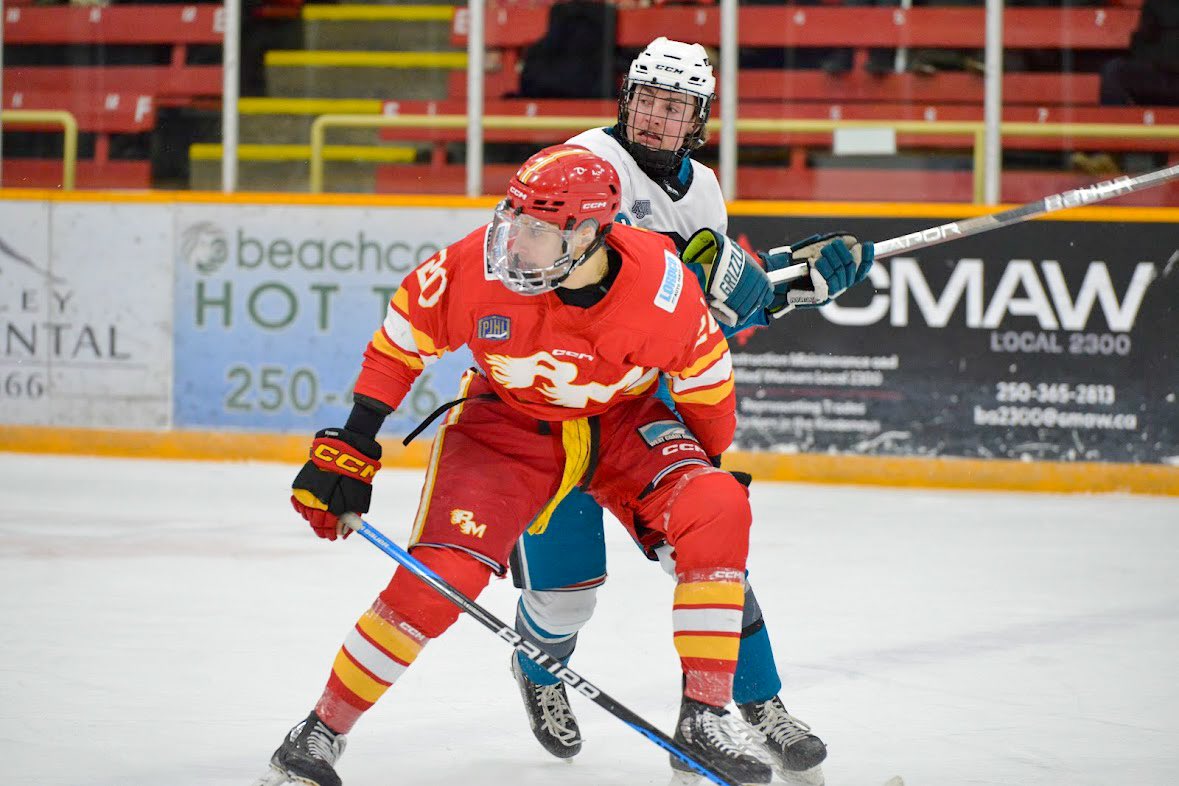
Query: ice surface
[(163, 623)]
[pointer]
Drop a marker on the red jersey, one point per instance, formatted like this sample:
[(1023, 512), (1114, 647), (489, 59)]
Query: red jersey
[(555, 361)]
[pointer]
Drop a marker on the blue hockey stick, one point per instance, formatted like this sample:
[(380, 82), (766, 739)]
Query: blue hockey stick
[(506, 632)]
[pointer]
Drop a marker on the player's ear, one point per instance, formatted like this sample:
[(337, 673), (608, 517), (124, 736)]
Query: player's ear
[(583, 235)]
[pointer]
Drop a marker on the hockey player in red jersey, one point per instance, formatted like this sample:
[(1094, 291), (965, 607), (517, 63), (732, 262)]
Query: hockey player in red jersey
[(571, 320)]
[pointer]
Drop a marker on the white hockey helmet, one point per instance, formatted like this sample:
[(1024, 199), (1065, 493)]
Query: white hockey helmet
[(678, 67)]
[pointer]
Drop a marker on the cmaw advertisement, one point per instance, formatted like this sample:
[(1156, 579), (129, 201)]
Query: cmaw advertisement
[(1049, 340), (85, 314), (275, 305)]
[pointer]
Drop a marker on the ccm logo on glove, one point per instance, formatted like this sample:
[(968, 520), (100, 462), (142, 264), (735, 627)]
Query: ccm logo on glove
[(337, 480), (330, 454)]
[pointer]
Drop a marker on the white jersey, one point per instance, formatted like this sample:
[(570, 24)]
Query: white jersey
[(646, 204)]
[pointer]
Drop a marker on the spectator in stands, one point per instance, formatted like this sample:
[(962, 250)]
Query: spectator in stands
[(1150, 74), (583, 27)]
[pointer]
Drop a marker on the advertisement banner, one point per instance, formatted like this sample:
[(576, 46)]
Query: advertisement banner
[(1050, 340), (275, 305), (85, 314)]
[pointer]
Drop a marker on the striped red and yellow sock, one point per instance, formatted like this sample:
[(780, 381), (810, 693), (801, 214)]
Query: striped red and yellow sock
[(707, 621), (377, 651)]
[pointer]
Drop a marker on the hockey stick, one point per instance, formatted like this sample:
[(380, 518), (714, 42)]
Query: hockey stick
[(530, 651), (933, 236)]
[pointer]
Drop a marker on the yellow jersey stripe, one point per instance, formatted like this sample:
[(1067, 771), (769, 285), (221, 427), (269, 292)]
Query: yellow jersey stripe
[(717, 372), (425, 344), (704, 362), (643, 387), (707, 396), (385, 347)]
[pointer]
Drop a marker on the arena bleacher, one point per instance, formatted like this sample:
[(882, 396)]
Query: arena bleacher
[(328, 73)]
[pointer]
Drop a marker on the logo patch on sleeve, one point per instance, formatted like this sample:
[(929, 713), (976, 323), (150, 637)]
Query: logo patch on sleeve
[(494, 328), (659, 431), (673, 283)]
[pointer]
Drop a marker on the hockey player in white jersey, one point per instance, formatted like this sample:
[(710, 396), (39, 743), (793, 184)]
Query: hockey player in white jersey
[(662, 111)]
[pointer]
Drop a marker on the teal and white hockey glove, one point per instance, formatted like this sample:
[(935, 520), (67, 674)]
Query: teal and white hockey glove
[(735, 285), (834, 262)]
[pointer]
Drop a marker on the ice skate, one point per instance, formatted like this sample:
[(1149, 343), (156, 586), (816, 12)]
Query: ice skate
[(795, 751), (709, 734), (552, 720), (307, 756)]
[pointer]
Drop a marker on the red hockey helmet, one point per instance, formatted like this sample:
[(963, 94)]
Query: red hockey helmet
[(530, 244)]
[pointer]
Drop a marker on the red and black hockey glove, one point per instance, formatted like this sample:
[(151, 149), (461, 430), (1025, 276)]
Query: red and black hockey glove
[(337, 480)]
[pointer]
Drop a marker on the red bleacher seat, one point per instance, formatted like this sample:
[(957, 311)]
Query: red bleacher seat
[(823, 110), (883, 185), (765, 84), (42, 173), (174, 25), (129, 24), (1049, 89), (113, 112), (168, 84), (99, 113), (822, 26), (857, 95), (108, 99)]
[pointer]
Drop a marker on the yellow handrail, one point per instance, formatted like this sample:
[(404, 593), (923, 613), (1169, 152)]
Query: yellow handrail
[(974, 129), (69, 127)]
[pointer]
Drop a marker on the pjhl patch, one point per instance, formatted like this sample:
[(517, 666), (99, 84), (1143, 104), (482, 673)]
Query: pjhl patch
[(494, 328)]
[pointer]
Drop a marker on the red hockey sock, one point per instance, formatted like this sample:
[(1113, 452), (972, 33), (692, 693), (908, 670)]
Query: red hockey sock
[(707, 619), (389, 636)]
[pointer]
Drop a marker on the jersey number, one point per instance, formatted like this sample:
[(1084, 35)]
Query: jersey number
[(432, 280)]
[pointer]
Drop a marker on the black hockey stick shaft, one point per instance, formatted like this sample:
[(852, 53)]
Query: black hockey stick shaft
[(1076, 197), (508, 634)]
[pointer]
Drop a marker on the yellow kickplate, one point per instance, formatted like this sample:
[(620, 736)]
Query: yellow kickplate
[(378, 155), (378, 13), (329, 59), (309, 106)]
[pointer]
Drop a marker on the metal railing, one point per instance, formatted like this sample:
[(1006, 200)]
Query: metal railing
[(974, 129), (69, 127)]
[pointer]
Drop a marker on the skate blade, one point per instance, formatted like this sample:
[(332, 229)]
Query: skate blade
[(273, 777), (679, 778), (811, 777)]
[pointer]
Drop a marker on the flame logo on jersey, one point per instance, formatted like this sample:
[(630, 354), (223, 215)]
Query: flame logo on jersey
[(561, 389)]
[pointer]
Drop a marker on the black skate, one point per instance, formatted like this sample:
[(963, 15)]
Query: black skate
[(795, 751), (707, 733), (307, 756), (552, 720)]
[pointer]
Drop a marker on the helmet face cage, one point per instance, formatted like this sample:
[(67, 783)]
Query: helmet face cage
[(670, 67), (528, 255)]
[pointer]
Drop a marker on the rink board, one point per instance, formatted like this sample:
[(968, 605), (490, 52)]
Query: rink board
[(213, 326)]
